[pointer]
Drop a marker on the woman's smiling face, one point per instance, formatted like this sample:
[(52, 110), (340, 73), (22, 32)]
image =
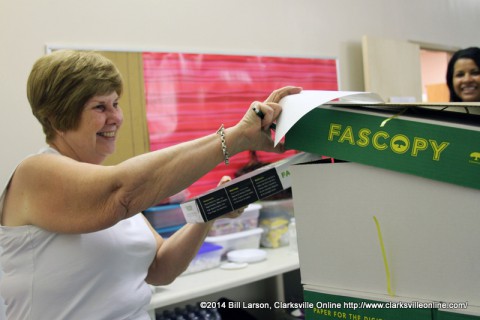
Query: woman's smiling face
[(95, 137), (466, 80)]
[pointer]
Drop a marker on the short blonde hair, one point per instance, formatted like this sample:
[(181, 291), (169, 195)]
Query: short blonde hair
[(62, 82)]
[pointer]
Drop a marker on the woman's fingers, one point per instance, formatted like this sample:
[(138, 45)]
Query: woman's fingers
[(278, 94), (267, 112), (223, 180)]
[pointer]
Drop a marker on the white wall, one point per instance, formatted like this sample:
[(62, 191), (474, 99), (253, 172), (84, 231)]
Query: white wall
[(318, 28)]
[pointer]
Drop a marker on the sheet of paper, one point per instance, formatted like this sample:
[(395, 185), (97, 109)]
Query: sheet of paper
[(294, 107)]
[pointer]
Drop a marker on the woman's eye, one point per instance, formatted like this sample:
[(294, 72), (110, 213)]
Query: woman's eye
[(115, 105), (100, 107)]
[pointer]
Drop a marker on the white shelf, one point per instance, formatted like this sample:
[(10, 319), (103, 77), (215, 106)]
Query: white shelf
[(195, 285)]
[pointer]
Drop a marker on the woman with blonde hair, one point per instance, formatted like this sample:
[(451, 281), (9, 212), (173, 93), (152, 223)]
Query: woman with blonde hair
[(74, 243)]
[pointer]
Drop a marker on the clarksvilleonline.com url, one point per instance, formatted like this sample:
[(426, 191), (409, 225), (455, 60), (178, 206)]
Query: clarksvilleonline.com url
[(391, 305)]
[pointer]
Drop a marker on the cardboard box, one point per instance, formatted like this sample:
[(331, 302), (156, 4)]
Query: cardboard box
[(242, 191), (429, 232), (416, 173), (454, 314), (328, 303), (439, 145)]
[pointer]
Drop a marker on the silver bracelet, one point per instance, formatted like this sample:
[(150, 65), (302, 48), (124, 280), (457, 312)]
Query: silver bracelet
[(221, 132)]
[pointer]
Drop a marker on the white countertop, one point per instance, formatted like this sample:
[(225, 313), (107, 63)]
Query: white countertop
[(202, 283)]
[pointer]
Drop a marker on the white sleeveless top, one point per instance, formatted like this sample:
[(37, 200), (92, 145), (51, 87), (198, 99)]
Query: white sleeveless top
[(98, 275)]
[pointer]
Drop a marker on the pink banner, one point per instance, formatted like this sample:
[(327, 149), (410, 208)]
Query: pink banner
[(191, 95)]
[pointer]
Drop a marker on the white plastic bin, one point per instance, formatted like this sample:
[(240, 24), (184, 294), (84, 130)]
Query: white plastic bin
[(239, 240), (247, 221), (208, 257)]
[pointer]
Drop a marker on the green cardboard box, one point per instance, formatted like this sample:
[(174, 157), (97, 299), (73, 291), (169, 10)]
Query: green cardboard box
[(435, 144), (332, 306), (328, 304), (449, 315), (425, 227)]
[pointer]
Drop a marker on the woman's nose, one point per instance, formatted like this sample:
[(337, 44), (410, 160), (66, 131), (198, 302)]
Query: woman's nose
[(116, 115), (467, 76)]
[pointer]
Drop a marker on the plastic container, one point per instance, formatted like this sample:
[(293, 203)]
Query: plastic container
[(277, 208), (247, 221), (274, 220), (208, 257), (275, 232), (168, 231), (248, 239), (165, 219)]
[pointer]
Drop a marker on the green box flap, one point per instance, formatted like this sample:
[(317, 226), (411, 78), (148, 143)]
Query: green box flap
[(434, 149)]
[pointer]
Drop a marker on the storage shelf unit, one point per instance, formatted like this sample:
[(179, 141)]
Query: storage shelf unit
[(197, 285)]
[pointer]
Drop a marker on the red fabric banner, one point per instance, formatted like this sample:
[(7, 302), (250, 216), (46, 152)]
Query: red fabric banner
[(191, 95)]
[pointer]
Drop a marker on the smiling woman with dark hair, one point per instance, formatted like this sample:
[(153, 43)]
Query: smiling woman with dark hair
[(463, 75)]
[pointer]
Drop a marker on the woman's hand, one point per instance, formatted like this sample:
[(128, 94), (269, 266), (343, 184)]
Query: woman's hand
[(256, 129)]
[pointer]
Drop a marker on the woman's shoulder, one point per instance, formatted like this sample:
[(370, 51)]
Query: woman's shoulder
[(47, 157), (34, 161), (27, 159), (36, 167)]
